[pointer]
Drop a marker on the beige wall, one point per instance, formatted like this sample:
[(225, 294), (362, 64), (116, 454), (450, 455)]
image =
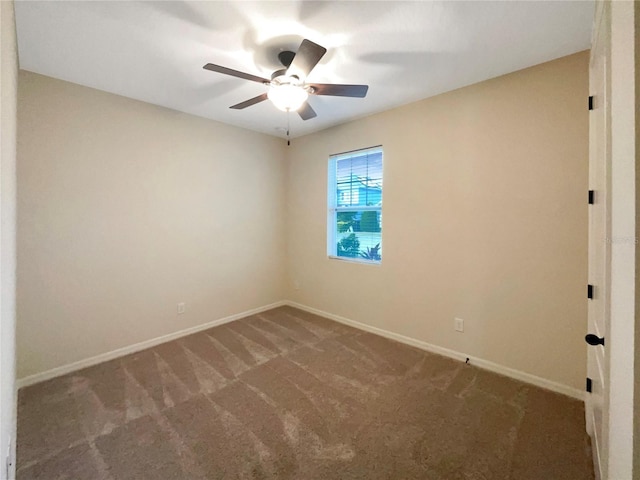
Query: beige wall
[(126, 209), (485, 218), (8, 100)]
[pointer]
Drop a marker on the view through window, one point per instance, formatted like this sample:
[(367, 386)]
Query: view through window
[(355, 205)]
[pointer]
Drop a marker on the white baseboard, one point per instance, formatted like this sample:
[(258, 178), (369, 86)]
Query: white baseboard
[(119, 352), (478, 362)]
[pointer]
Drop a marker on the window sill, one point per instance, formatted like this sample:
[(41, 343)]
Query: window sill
[(353, 260)]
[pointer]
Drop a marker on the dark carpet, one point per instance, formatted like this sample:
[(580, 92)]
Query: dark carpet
[(289, 395)]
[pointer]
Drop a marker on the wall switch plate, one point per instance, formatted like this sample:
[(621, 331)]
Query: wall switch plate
[(182, 307), (458, 324)]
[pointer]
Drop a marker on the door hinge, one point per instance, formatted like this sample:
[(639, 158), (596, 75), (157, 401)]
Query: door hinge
[(589, 291), (592, 195), (590, 102), (589, 385)]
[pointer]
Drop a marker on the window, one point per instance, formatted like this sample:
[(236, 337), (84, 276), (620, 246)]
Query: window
[(355, 205)]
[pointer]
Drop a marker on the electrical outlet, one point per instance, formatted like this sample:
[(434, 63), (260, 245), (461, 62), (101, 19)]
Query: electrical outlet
[(458, 324), (296, 285), (182, 307)]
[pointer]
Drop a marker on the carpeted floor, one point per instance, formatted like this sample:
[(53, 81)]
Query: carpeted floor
[(289, 395)]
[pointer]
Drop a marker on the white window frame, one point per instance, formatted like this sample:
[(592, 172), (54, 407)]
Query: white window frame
[(333, 209)]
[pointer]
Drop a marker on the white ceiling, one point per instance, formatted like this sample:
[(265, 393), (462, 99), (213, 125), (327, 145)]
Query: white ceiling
[(404, 51)]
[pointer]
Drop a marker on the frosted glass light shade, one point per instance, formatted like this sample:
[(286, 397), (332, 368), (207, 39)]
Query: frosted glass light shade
[(287, 97)]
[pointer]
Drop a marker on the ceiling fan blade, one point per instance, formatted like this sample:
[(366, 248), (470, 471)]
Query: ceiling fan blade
[(307, 57), (306, 112), (338, 90), (251, 101), (234, 73)]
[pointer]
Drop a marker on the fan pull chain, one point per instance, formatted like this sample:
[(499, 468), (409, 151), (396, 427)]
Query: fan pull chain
[(288, 127)]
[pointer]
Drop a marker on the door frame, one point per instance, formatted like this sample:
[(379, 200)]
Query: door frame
[(623, 241), (618, 459)]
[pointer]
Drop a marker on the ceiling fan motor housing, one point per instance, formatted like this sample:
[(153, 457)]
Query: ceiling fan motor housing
[(278, 74)]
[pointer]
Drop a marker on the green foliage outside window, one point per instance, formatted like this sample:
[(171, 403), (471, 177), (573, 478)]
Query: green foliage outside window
[(349, 246), (369, 222), (346, 221), (371, 253)]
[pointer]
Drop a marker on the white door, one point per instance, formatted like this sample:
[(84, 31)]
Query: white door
[(599, 238)]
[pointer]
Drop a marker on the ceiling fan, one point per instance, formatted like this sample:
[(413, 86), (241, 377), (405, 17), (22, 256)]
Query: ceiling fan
[(288, 89)]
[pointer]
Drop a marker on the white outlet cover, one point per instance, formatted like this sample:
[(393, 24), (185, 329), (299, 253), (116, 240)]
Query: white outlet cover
[(458, 324), (182, 307)]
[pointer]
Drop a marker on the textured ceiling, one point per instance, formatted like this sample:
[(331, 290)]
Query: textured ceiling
[(405, 51)]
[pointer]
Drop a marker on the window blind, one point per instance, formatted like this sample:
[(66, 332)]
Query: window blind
[(355, 205)]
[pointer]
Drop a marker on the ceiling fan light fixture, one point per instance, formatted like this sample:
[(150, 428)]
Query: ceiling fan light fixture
[(287, 97)]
